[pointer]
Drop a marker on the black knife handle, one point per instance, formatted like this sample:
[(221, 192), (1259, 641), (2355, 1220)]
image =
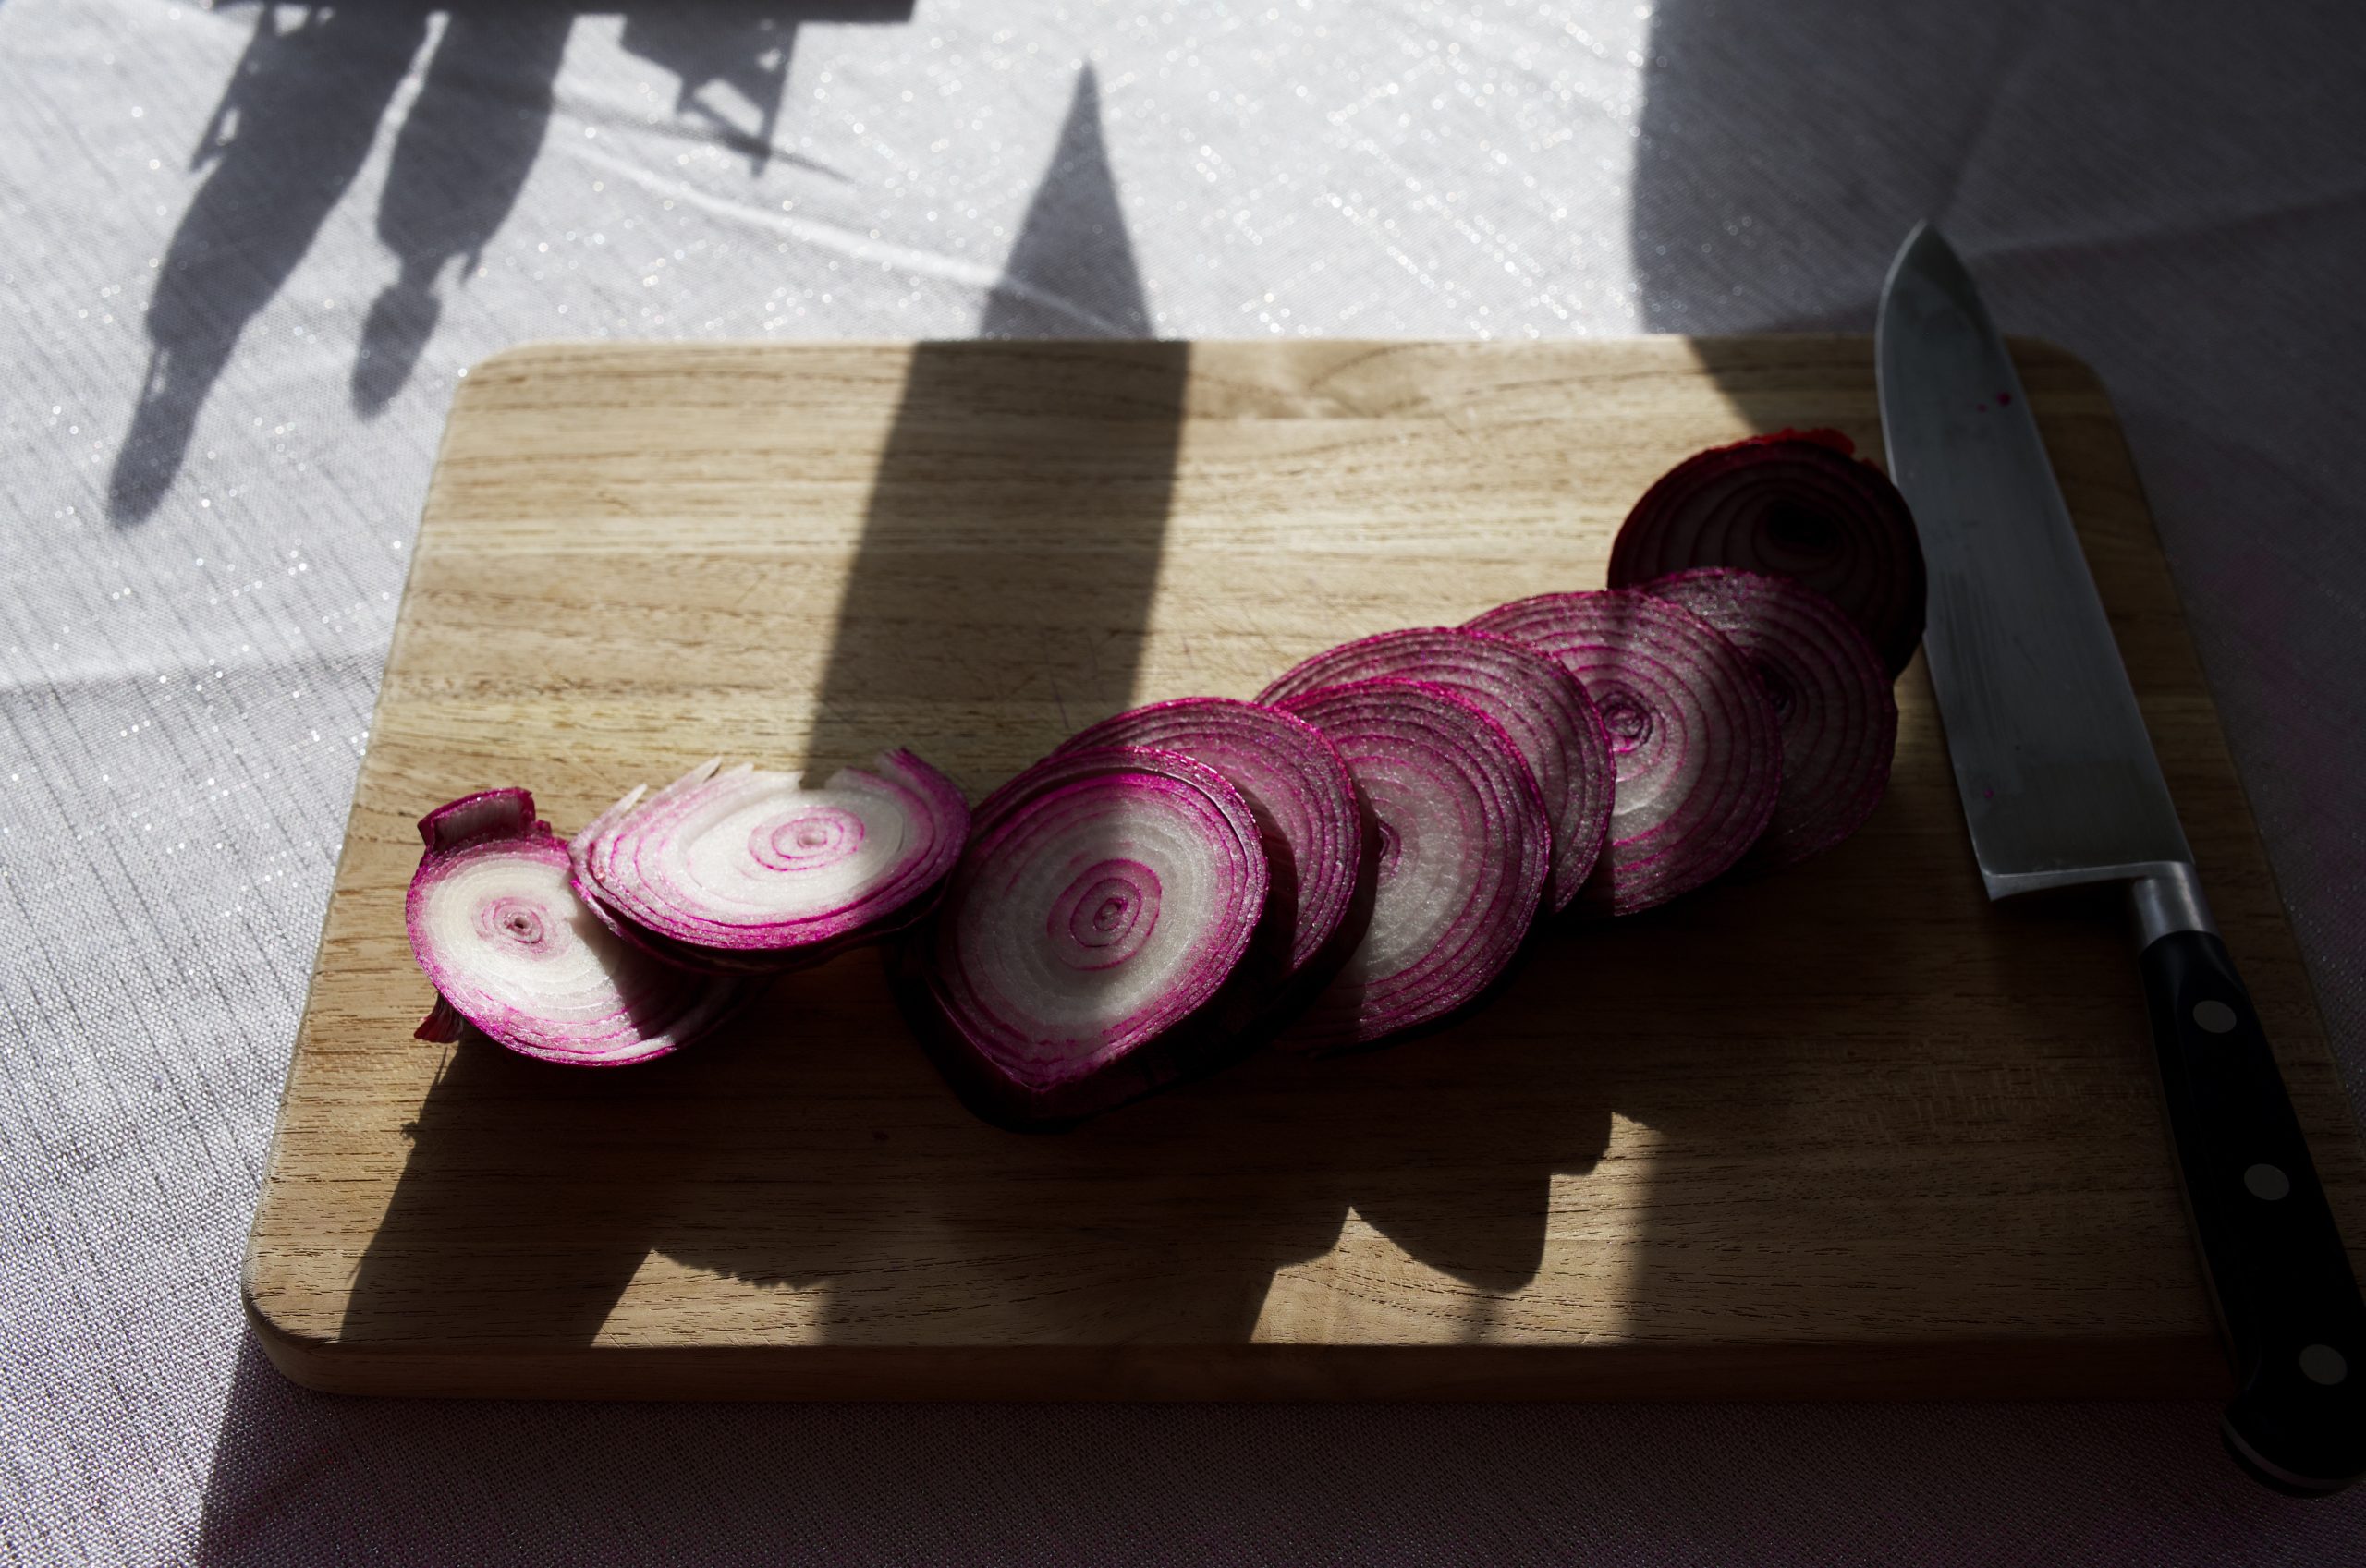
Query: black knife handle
[(2281, 1277)]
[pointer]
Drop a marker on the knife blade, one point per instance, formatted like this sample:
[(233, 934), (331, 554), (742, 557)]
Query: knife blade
[(2060, 786)]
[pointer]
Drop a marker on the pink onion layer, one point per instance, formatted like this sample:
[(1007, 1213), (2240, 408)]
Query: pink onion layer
[(1692, 733), (1103, 901), (495, 922), (1832, 700), (1797, 504), (1296, 787), (744, 869), (1464, 856), (1542, 708)]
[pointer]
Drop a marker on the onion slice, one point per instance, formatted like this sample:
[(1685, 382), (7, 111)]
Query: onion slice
[(1103, 901), (1692, 733), (1796, 504), (1832, 700), (1309, 823), (1463, 857), (495, 922), (1539, 704), (740, 870)]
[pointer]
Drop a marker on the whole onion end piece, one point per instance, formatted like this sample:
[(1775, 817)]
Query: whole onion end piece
[(1309, 821), (1694, 737), (1794, 504), (1077, 960), (1545, 713), (1464, 856), (1832, 701), (743, 871), (513, 952)]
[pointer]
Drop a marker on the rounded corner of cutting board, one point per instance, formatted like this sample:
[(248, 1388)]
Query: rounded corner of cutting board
[(309, 1360), (525, 356)]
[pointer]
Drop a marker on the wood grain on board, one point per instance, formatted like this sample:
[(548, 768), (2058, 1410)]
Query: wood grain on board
[(1846, 1131)]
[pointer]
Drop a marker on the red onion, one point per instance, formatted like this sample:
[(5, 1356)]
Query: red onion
[(1104, 899), (1309, 821), (1542, 708), (1832, 700), (1464, 855), (495, 923), (1791, 505), (1692, 734), (743, 871)]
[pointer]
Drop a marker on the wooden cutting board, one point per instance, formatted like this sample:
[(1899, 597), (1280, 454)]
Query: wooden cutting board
[(1847, 1131)]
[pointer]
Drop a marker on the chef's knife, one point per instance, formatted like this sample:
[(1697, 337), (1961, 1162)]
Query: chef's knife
[(2060, 786)]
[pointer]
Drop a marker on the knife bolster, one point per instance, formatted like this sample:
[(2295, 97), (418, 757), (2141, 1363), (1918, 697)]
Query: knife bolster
[(2168, 899)]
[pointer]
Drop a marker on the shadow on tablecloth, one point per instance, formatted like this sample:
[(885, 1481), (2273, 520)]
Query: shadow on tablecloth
[(299, 118), (305, 1478)]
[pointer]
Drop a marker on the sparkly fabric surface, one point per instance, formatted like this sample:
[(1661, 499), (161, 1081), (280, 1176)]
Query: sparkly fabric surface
[(246, 250)]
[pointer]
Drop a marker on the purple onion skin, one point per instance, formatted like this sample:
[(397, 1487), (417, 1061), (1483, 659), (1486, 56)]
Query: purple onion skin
[(1539, 704), (1418, 750), (974, 1050), (1831, 697), (492, 811), (1320, 853), (1694, 735), (656, 1009), (1796, 504)]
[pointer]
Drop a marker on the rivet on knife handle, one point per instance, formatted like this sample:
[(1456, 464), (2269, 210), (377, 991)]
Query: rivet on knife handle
[(2278, 1272)]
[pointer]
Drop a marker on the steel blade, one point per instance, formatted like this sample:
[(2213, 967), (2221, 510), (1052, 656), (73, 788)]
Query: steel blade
[(2059, 777)]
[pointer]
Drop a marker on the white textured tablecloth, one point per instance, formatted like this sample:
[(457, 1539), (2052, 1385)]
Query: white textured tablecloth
[(245, 251)]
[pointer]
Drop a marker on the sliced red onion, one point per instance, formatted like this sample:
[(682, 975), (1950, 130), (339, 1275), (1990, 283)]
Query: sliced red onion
[(1542, 708), (745, 870), (1309, 822), (1832, 700), (1103, 901), (1464, 856), (1797, 504), (1692, 733), (495, 923)]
